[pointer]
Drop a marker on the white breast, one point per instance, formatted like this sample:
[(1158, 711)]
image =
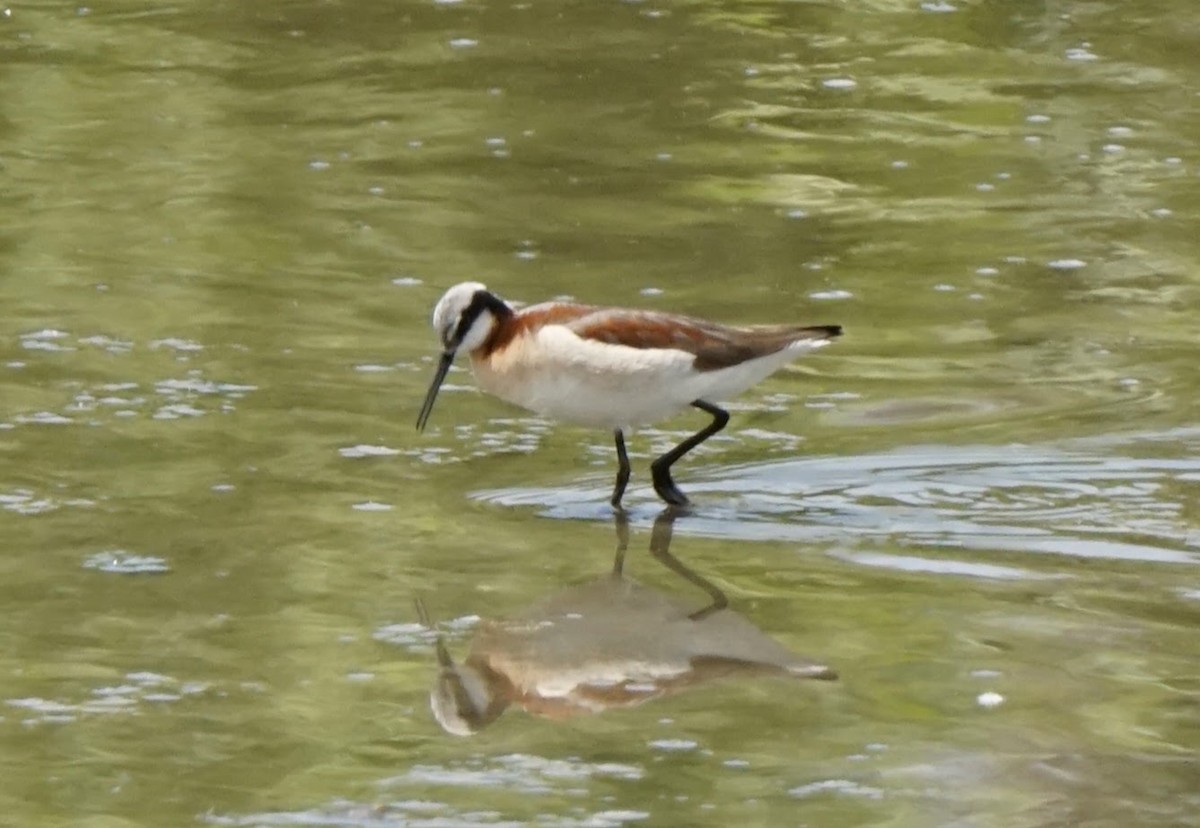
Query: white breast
[(557, 374)]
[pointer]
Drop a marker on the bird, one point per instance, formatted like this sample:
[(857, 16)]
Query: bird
[(610, 367)]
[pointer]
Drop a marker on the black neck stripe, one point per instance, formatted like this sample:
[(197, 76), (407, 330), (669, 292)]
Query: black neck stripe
[(482, 301)]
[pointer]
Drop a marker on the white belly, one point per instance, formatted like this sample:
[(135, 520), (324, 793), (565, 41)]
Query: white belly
[(558, 375)]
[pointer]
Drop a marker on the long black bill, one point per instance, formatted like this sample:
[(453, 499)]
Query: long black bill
[(438, 378)]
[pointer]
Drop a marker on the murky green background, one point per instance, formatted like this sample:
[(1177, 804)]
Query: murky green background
[(222, 228)]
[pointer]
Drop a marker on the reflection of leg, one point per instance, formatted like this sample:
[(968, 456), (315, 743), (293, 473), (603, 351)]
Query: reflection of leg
[(621, 520), (660, 548), (622, 470)]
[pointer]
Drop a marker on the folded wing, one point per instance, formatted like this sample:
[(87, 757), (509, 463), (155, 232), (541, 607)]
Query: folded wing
[(714, 346)]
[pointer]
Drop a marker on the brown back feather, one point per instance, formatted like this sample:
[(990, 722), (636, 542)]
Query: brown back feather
[(714, 346)]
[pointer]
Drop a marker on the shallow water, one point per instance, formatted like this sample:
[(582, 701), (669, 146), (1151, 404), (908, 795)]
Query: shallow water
[(226, 225)]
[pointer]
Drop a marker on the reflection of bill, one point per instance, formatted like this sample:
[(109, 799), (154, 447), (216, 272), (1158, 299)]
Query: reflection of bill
[(608, 643)]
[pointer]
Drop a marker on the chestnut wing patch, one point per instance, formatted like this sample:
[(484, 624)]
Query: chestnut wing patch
[(713, 346)]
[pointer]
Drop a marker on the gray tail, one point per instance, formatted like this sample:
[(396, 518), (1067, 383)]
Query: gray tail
[(820, 332)]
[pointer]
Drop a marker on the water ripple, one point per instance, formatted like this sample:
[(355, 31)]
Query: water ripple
[(1065, 500), (137, 692)]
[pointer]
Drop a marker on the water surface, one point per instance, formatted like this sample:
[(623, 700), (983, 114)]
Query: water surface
[(224, 229)]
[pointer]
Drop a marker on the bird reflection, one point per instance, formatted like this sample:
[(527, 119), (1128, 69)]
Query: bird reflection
[(605, 644)]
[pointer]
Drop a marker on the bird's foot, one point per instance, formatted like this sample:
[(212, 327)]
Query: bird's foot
[(666, 488)]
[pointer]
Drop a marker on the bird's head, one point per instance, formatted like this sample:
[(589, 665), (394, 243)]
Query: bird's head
[(464, 317)]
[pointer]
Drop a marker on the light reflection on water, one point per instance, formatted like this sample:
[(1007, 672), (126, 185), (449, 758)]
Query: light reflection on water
[(225, 225), (1057, 500), (585, 649)]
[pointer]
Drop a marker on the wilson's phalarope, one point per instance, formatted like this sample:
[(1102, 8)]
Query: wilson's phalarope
[(610, 367)]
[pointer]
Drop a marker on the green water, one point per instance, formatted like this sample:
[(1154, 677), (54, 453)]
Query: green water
[(224, 225)]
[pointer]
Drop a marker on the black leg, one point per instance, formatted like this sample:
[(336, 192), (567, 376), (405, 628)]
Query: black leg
[(660, 548), (660, 469), (622, 470)]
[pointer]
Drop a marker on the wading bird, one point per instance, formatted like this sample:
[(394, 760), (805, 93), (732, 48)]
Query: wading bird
[(612, 368)]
